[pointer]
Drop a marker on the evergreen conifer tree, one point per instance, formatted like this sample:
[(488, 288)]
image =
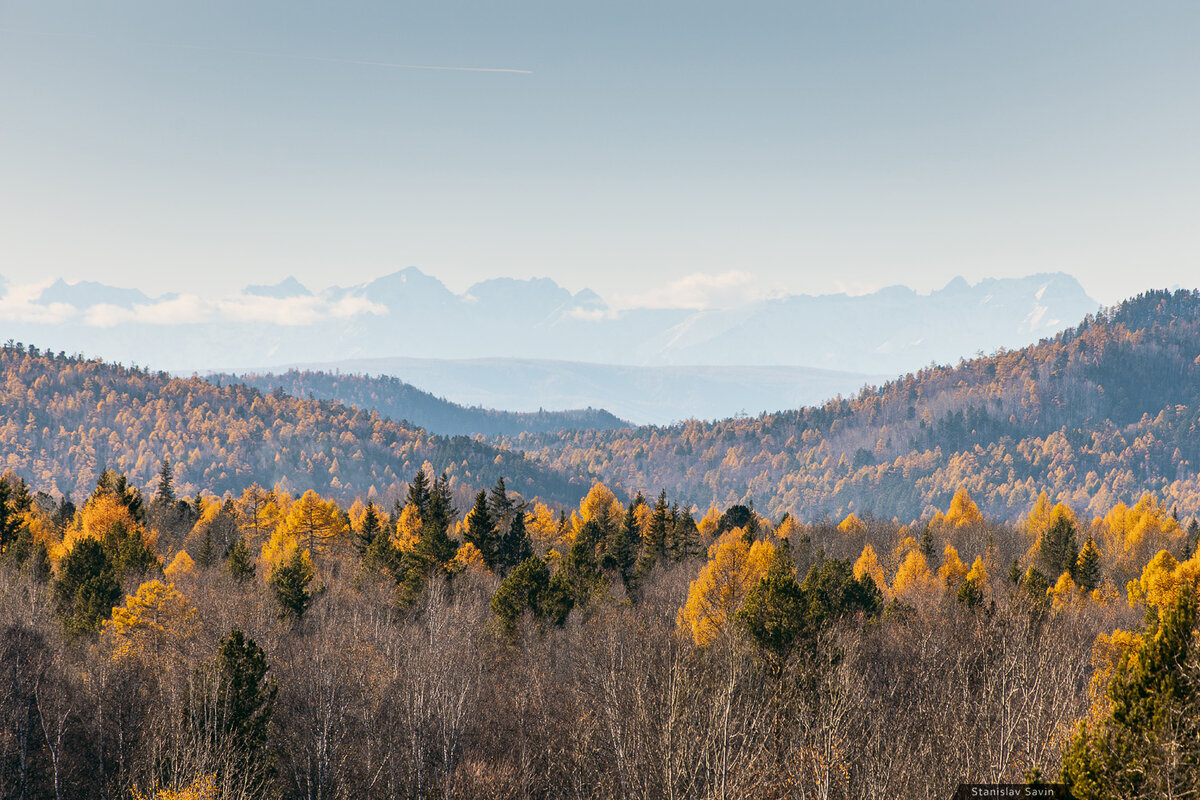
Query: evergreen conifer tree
[(481, 532), (515, 546), (1087, 566), (620, 546), (240, 563), (1058, 550), (290, 582), (368, 530)]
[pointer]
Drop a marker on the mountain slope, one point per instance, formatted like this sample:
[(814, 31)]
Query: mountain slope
[(400, 401), (1100, 413), (66, 419)]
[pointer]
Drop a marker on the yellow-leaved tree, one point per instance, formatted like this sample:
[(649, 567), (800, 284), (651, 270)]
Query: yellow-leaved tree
[(914, 582), (1162, 579), (953, 571), (544, 530), (600, 506), (408, 528), (1127, 536), (734, 567), (852, 525), (868, 564), (963, 513), (181, 566), (155, 623), (258, 513), (316, 522)]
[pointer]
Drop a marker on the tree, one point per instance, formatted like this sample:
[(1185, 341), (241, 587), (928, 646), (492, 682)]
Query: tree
[(418, 493), (369, 529), (525, 589), (774, 611), (1058, 550), (240, 563), (733, 569), (10, 518), (654, 542), (290, 582), (231, 710), (515, 546), (314, 519), (683, 537), (620, 546), (86, 589), (1148, 745), (154, 623), (1087, 566), (481, 532), (501, 506)]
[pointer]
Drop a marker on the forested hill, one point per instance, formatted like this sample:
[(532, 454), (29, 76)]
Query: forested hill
[(67, 418), (1098, 414), (401, 401)]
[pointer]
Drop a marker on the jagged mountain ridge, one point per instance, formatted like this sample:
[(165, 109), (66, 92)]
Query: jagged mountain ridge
[(411, 314)]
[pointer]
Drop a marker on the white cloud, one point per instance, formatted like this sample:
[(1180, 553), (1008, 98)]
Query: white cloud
[(702, 290), (295, 310), (20, 305)]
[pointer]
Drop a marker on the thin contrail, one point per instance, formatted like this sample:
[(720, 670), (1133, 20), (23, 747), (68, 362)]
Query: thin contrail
[(326, 59)]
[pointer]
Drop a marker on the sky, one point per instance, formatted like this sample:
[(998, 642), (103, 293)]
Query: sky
[(645, 150)]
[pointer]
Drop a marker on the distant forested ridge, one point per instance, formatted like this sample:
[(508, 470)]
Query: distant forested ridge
[(401, 401), (1098, 414), (66, 419)]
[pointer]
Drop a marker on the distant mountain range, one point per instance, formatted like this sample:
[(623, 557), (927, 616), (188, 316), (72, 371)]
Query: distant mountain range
[(405, 403), (410, 314), (644, 395)]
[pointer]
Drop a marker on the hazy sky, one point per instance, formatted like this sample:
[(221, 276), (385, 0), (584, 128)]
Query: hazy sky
[(804, 147)]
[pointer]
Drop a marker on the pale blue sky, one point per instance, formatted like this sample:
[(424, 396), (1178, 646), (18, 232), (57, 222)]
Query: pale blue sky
[(202, 146)]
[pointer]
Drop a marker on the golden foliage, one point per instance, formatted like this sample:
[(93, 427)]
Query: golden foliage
[(914, 582), (468, 557), (1064, 594), (852, 525), (1107, 653), (718, 592), (868, 564), (180, 566), (155, 622), (963, 512), (202, 788), (542, 525), (408, 528), (1126, 536), (709, 524), (1162, 579), (953, 571), (600, 506)]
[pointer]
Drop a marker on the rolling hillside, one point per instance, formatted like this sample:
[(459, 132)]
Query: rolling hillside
[(401, 401), (1098, 414), (67, 418)]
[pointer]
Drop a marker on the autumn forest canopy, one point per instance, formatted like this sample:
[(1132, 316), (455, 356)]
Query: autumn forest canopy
[(985, 572)]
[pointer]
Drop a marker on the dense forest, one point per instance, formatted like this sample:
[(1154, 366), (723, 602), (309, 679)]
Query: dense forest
[(1098, 414), (264, 645), (66, 419), (401, 401)]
